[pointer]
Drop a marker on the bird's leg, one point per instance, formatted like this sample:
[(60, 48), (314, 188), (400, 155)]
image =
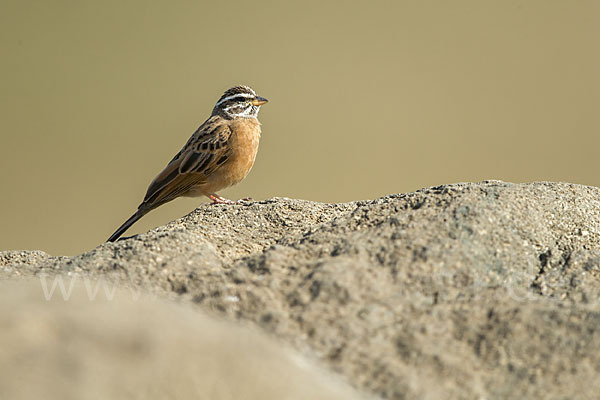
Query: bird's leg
[(219, 200)]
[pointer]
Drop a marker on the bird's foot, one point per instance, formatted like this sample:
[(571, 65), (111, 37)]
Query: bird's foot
[(216, 199)]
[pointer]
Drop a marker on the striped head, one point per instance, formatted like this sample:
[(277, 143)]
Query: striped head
[(239, 102)]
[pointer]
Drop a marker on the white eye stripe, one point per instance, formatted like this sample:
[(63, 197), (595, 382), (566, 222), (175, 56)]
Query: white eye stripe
[(246, 95)]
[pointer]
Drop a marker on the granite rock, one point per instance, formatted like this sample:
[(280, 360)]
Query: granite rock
[(471, 290)]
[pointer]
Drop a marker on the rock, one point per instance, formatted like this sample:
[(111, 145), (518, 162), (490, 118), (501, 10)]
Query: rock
[(473, 290), (125, 345)]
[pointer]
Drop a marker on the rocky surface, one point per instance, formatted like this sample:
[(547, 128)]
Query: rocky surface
[(126, 345), (479, 290)]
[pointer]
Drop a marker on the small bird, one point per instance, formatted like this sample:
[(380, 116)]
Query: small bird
[(219, 154)]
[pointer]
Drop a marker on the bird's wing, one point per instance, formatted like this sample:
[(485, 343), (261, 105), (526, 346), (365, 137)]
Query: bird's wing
[(205, 151)]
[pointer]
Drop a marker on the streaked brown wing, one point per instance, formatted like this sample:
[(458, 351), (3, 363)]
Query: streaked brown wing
[(205, 151)]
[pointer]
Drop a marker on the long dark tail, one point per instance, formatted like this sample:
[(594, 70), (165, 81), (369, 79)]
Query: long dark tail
[(132, 220)]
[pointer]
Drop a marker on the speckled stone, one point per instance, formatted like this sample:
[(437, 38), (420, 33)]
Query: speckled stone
[(471, 290)]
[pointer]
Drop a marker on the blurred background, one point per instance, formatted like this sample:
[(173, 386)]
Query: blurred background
[(366, 99)]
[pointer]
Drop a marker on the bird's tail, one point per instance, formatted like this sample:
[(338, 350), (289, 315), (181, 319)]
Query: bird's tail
[(132, 220)]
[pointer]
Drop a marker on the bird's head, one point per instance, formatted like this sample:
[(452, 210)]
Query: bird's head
[(239, 102)]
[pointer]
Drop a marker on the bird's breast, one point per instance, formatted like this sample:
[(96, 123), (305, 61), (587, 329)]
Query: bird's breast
[(242, 151)]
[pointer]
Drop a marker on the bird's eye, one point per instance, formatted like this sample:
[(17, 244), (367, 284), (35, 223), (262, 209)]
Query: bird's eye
[(242, 99)]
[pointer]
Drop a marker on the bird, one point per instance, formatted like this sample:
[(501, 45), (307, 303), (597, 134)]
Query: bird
[(219, 154)]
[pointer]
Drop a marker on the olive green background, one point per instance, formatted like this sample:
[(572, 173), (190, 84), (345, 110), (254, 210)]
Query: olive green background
[(366, 99)]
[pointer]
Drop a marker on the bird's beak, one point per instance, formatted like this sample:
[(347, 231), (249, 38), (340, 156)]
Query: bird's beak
[(258, 101)]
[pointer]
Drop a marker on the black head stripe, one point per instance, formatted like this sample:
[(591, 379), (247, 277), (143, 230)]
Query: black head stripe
[(241, 90)]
